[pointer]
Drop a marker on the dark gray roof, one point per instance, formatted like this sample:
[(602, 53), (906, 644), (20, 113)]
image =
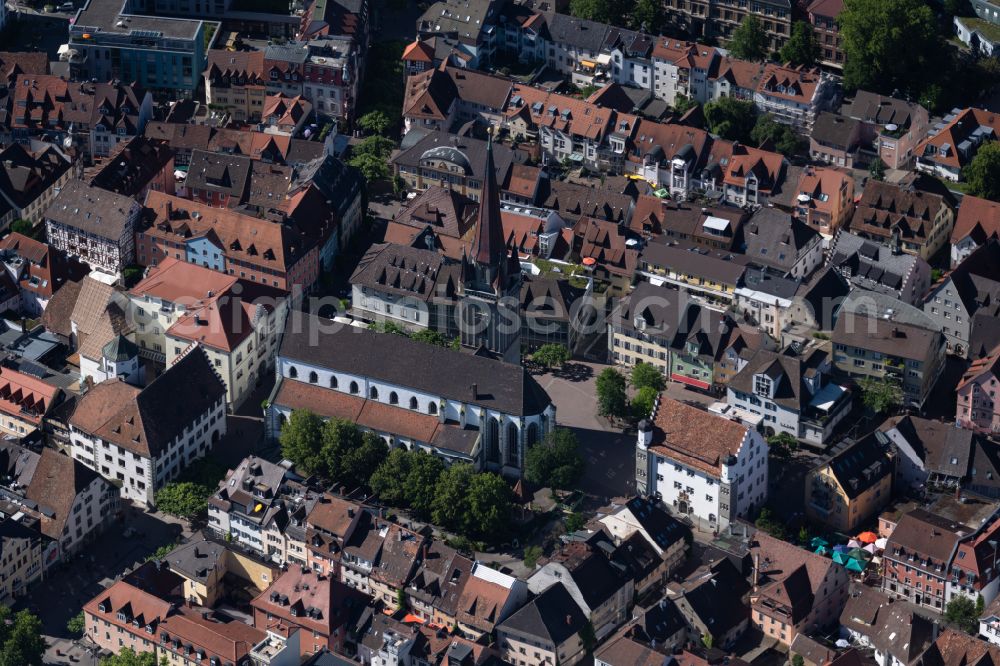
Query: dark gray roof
[(880, 110), (673, 320), (786, 370), (894, 338), (862, 465), (580, 33), (218, 172), (824, 293), (685, 257), (395, 359), (943, 448), (977, 279), (776, 239), (871, 265), (762, 280), (196, 559), (660, 525), (553, 617), (463, 18), (337, 181), (91, 209), (836, 131), (468, 153), (419, 275)]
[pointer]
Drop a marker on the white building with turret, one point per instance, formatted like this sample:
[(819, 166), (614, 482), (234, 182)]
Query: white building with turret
[(702, 465)]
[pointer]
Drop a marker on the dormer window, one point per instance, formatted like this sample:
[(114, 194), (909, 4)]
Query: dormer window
[(762, 385)]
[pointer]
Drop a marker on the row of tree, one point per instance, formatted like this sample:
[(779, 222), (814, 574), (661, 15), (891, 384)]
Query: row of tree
[(456, 497)]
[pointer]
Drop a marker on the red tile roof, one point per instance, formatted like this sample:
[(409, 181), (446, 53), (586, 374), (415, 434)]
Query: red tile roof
[(957, 131), (979, 218), (24, 396), (694, 436)]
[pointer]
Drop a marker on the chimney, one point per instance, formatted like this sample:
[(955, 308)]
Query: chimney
[(475, 391), (569, 620), (756, 572)]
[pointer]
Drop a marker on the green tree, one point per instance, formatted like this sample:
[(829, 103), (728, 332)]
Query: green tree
[(961, 612), (647, 375), (980, 605), (611, 399), (574, 522), (707, 640), (782, 443), (21, 640), (449, 508), (421, 481), (184, 499), (683, 104), (489, 506), (888, 45), (603, 11), (877, 169), (371, 157), (531, 556), (374, 122), (647, 15), (730, 118), (401, 599), (301, 440), (129, 657), (880, 395), (643, 402), (551, 355), (22, 227), (749, 40), (983, 173), (804, 536), (554, 461), (389, 480), (801, 47), (797, 660), (77, 624), (783, 137), (359, 464), (430, 337)]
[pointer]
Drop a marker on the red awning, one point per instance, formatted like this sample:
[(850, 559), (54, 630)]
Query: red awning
[(697, 383)]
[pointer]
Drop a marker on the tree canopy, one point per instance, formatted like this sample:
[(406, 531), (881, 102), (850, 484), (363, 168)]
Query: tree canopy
[(982, 174), (749, 41), (782, 137), (551, 355), (961, 611), (129, 657), (334, 449), (371, 157), (555, 461), (184, 499), (801, 47), (21, 640), (730, 118), (877, 169), (648, 16), (374, 122), (887, 45), (489, 506), (647, 375), (880, 395), (643, 402), (611, 399)]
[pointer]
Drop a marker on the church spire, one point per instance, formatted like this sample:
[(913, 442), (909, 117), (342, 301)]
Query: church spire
[(488, 242)]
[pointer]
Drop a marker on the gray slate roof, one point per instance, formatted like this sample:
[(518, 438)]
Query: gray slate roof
[(553, 617), (91, 209), (394, 359)]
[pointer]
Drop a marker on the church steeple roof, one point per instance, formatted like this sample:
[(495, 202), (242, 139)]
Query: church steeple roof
[(488, 245)]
